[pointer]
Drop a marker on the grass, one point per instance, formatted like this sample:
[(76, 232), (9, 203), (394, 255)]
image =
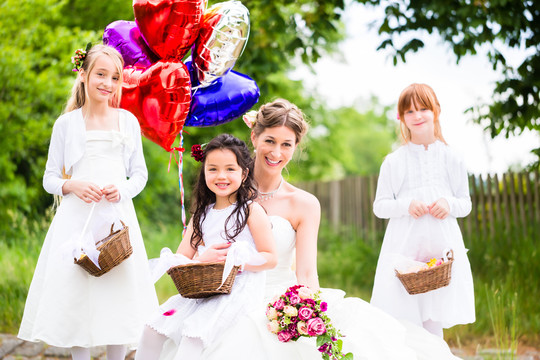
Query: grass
[(157, 237), (505, 271), (16, 270), (503, 314), (18, 259)]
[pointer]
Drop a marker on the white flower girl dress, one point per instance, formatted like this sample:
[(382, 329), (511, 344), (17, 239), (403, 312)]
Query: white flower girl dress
[(370, 333)]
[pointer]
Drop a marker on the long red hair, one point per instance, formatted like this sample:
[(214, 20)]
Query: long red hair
[(421, 96)]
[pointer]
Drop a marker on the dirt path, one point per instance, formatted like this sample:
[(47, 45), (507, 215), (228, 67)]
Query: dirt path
[(12, 348)]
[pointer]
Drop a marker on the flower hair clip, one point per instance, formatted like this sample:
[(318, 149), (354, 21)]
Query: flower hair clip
[(197, 152), (250, 118), (79, 57)]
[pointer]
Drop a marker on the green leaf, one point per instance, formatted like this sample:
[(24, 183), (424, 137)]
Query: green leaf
[(467, 27), (322, 339)]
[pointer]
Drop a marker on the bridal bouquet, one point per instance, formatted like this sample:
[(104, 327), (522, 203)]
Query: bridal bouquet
[(300, 312)]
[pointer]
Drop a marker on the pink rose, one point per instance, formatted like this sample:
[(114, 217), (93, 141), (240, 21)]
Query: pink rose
[(316, 326), (279, 304), (302, 328), (273, 326), (305, 293), (271, 313), (305, 313), (290, 311), (294, 299), (284, 336)]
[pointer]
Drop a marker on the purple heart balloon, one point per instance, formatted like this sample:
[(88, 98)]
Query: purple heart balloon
[(231, 96), (125, 37)]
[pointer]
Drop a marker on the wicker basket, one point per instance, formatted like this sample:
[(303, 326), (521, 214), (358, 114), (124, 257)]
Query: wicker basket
[(202, 280), (114, 249), (428, 279)]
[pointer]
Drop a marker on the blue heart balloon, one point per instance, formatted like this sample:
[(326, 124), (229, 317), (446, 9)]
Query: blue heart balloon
[(231, 96)]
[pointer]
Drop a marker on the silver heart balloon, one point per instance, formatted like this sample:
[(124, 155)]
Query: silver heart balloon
[(222, 39)]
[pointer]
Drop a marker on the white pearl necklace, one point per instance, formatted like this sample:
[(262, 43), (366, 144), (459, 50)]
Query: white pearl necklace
[(263, 196)]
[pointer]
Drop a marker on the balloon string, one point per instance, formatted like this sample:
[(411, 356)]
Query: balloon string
[(180, 150), (181, 182)]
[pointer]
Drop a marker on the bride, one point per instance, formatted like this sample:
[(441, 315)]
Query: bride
[(370, 334)]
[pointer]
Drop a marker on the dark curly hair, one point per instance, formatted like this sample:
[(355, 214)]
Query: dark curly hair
[(204, 197)]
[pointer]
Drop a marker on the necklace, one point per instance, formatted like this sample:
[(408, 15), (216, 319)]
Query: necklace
[(263, 196)]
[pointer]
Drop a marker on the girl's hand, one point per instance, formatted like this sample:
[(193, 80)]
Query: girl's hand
[(85, 190), (439, 209), (215, 253), (111, 193), (418, 209)]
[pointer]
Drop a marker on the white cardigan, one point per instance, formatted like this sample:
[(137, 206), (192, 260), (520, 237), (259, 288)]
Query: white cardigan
[(68, 141), (388, 202)]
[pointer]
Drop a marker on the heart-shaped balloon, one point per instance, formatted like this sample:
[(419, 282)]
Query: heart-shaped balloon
[(228, 98), (125, 37), (159, 97), (223, 36), (169, 27)]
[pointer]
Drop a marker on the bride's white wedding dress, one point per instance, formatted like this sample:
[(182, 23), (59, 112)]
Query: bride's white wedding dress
[(370, 334)]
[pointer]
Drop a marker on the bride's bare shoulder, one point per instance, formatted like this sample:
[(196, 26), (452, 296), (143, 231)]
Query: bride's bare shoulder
[(302, 198)]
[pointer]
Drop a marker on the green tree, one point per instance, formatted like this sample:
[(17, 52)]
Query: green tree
[(38, 39), (280, 31), (345, 142), (468, 26), (34, 80)]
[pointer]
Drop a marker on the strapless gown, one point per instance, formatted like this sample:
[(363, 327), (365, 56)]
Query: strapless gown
[(370, 333)]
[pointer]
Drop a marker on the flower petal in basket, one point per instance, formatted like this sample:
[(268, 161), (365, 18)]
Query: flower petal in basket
[(404, 265), (428, 279)]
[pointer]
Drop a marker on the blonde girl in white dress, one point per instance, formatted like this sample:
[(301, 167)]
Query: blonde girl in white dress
[(370, 333), (422, 188), (99, 146), (224, 218)]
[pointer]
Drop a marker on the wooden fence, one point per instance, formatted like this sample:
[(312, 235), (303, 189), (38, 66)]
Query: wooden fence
[(510, 202)]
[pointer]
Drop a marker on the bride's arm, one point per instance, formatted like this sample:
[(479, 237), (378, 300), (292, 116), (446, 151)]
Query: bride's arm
[(309, 210)]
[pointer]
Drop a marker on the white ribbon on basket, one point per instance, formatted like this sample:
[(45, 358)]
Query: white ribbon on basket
[(85, 243), (166, 260), (239, 254)]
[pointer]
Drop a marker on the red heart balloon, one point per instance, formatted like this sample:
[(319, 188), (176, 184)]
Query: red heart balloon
[(159, 97), (169, 27)]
